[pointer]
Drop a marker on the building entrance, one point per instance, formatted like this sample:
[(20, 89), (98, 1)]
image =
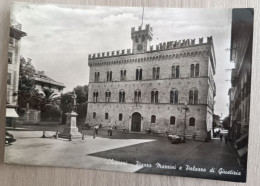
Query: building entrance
[(136, 122)]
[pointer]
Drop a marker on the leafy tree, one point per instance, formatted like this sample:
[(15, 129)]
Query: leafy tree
[(81, 103), (27, 93), (49, 105), (226, 122)]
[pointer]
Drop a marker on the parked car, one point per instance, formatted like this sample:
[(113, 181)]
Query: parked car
[(174, 139), (9, 138)]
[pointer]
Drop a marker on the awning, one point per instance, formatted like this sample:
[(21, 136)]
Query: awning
[(241, 152), (242, 138), (11, 113)]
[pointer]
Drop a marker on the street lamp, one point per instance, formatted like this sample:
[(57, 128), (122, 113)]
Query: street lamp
[(185, 109)]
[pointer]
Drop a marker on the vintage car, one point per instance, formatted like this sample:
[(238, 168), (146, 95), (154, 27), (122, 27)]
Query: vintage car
[(174, 139), (9, 138)]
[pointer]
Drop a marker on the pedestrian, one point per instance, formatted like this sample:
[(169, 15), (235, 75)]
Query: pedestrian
[(124, 129), (110, 128), (100, 125), (94, 133), (221, 136), (96, 129), (226, 139)]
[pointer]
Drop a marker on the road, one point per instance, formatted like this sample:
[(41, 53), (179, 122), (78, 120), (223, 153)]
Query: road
[(127, 152)]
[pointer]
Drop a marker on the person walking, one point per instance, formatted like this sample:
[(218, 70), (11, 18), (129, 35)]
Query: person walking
[(226, 139), (124, 129), (110, 128), (221, 136), (95, 131), (96, 127)]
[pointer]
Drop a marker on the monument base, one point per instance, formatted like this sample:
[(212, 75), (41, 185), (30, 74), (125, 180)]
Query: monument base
[(71, 127)]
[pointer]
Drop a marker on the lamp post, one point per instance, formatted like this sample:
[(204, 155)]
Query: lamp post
[(185, 109)]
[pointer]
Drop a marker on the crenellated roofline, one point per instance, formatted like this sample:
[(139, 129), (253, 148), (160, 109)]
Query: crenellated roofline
[(170, 45)]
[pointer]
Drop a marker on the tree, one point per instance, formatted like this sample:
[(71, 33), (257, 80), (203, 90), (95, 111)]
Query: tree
[(226, 122), (81, 103), (27, 93), (49, 105)]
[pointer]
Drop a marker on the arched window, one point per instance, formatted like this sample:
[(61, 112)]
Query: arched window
[(120, 117), (107, 96), (192, 70), (154, 96), (95, 96), (176, 71), (197, 70), (154, 73), (174, 96), (138, 74), (106, 115), (96, 77), (193, 97), (109, 76), (172, 120), (153, 119), (122, 96), (192, 122), (158, 73), (94, 115), (122, 75), (173, 71), (137, 98)]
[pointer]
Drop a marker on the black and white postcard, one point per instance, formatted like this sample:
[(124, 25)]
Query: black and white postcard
[(161, 91)]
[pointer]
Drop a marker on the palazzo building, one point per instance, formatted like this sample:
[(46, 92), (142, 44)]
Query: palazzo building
[(241, 55), (166, 88), (14, 49)]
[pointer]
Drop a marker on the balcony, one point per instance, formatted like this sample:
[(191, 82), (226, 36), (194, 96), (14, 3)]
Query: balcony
[(234, 77), (15, 24)]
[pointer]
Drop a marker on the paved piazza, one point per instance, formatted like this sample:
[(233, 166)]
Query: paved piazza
[(125, 152)]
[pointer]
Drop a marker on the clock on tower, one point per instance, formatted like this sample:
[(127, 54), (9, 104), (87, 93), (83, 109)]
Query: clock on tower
[(141, 39)]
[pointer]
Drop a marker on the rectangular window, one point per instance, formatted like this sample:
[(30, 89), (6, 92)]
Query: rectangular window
[(10, 57), (120, 117), (9, 78)]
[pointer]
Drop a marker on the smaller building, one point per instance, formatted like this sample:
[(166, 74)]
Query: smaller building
[(42, 81), (14, 49)]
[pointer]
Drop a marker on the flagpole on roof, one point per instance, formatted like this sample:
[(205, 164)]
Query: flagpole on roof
[(142, 17)]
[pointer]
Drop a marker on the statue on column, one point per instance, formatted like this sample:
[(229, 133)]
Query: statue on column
[(74, 102)]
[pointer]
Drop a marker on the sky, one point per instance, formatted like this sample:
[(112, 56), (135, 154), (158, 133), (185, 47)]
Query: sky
[(59, 38)]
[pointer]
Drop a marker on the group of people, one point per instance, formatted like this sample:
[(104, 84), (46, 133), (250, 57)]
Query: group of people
[(226, 137), (109, 131)]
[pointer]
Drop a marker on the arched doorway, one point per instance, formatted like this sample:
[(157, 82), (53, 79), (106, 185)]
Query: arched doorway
[(136, 122)]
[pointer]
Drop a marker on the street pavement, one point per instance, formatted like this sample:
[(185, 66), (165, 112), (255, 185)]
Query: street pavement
[(127, 152)]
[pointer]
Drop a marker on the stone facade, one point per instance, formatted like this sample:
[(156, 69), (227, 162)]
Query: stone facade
[(148, 87), (14, 62), (241, 56)]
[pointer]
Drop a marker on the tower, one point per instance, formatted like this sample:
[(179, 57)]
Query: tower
[(141, 39)]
